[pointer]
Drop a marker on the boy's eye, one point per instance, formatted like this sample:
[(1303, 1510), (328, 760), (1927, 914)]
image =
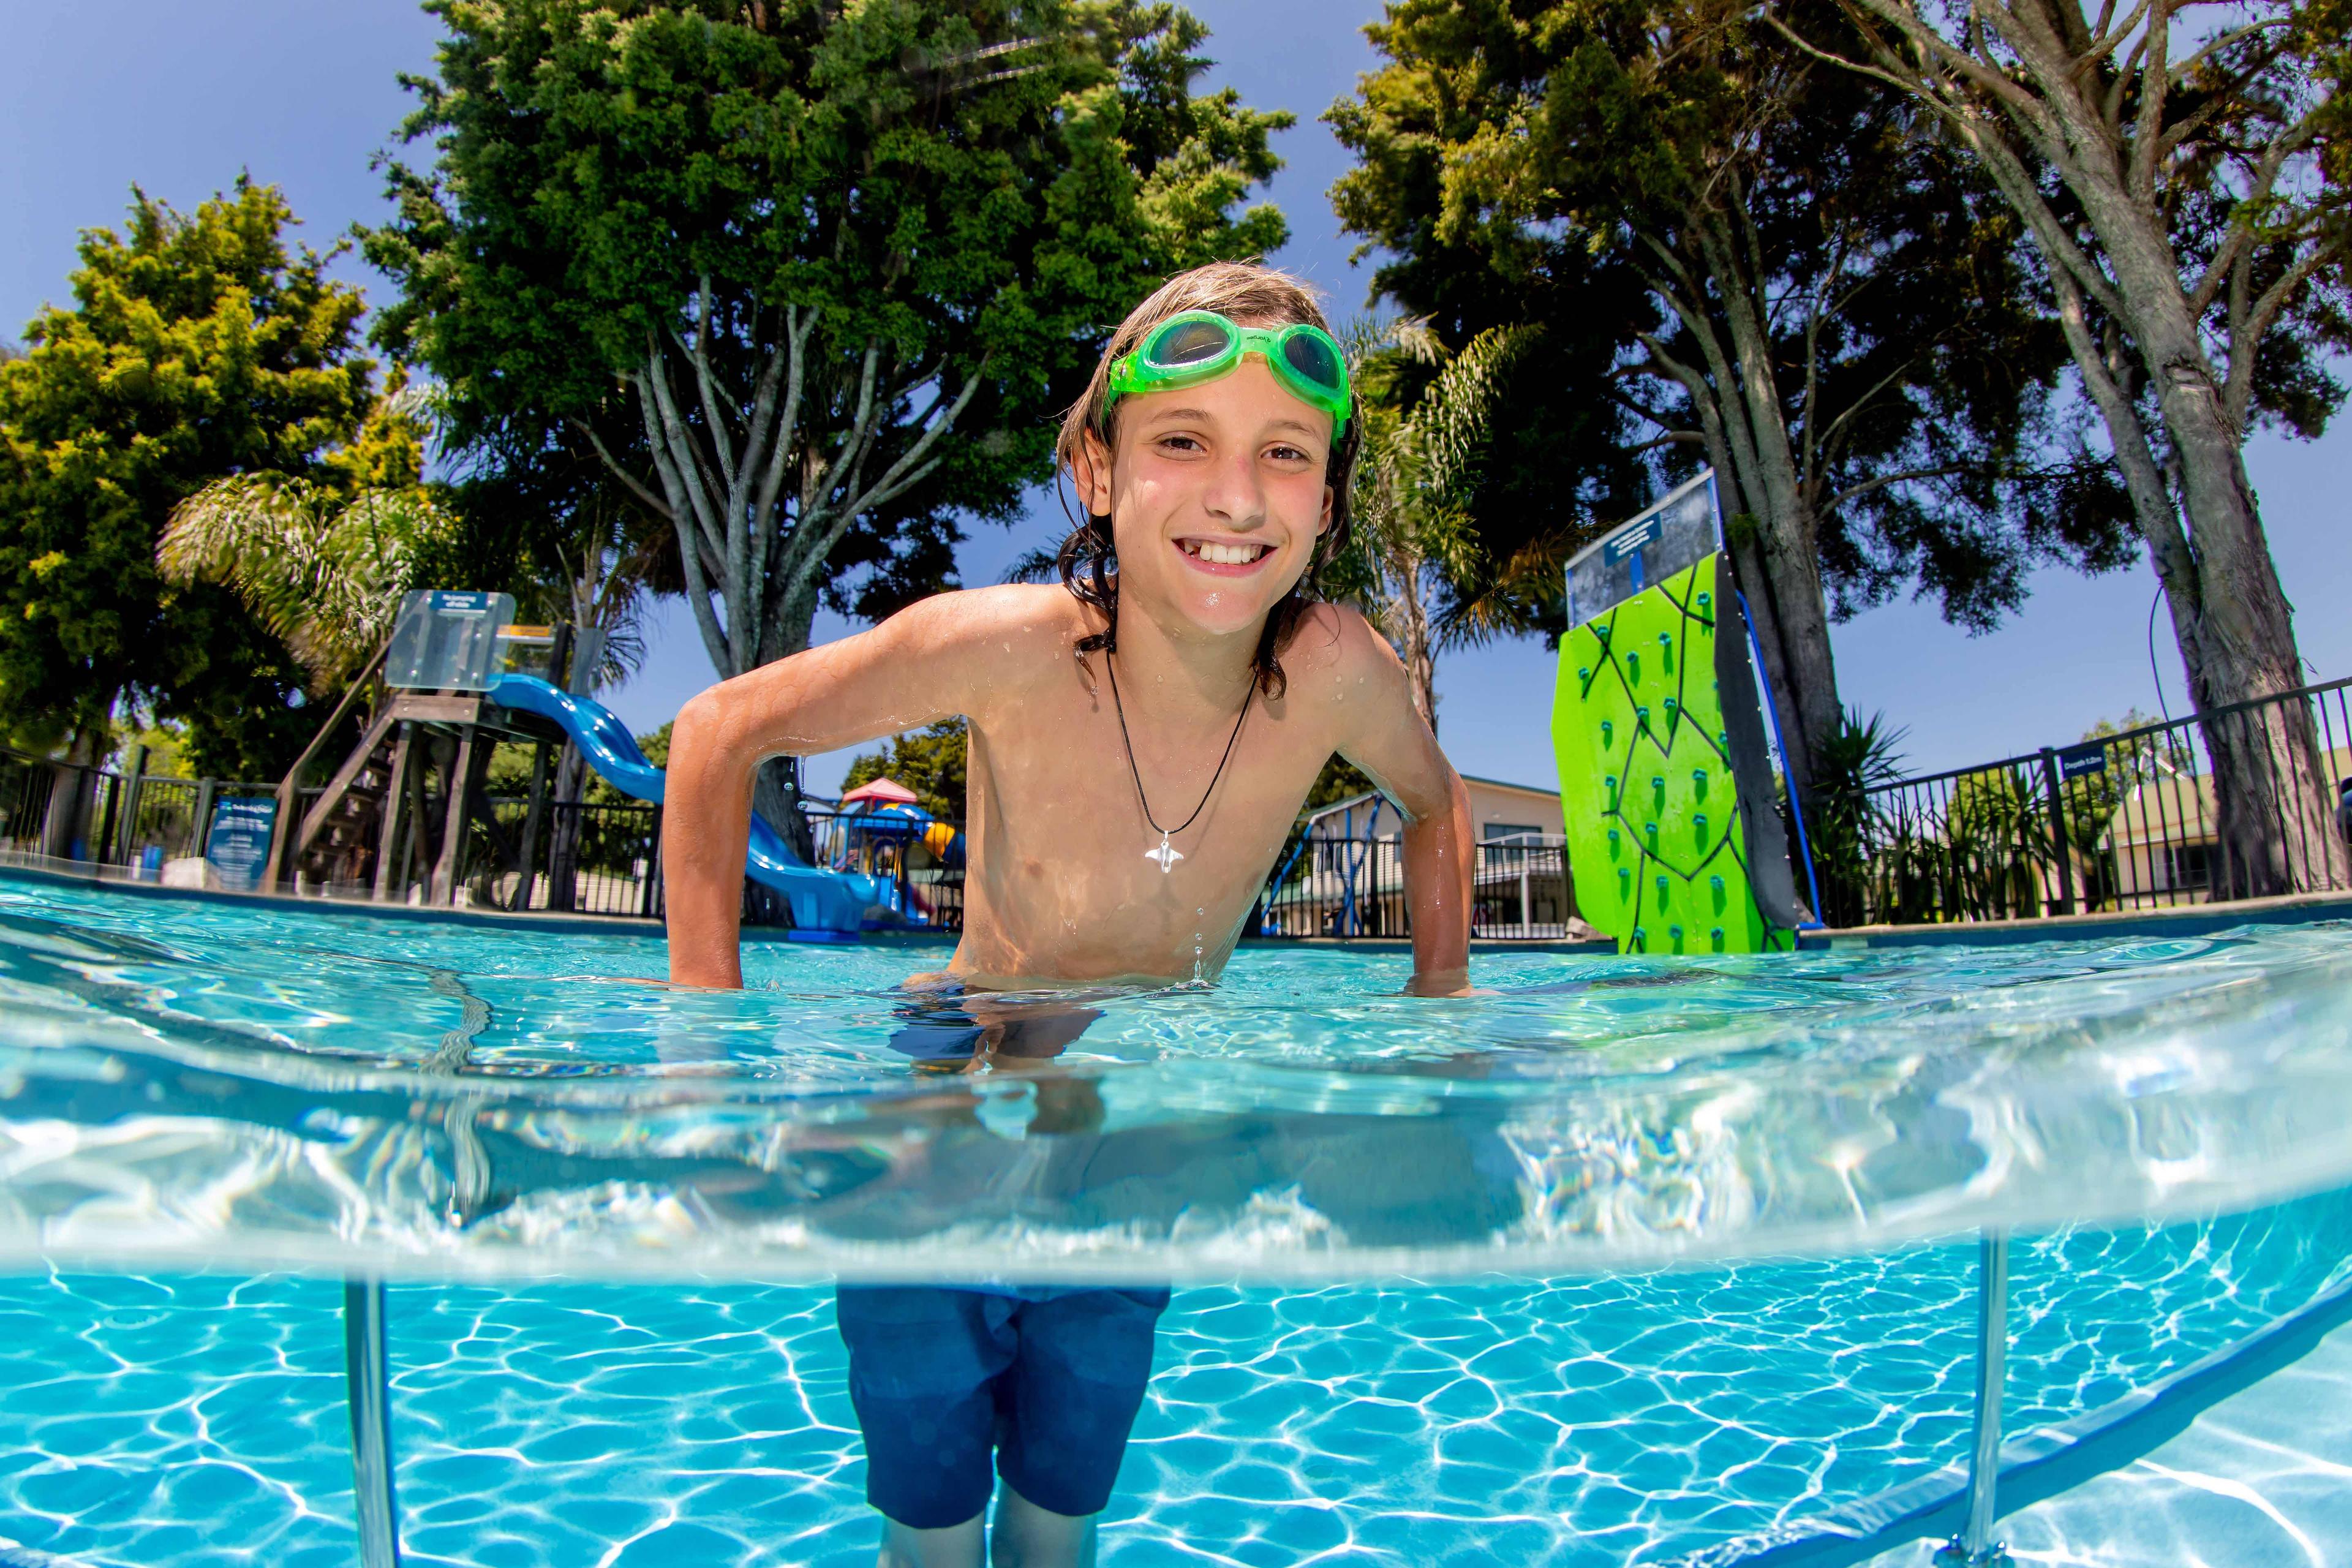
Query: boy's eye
[(1286, 455), (1180, 444)]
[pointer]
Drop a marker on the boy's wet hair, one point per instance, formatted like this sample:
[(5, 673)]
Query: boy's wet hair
[(1249, 296)]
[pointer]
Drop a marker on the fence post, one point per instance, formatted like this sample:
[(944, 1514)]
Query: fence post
[(534, 816), (134, 784), (203, 817), (649, 896), (2058, 841)]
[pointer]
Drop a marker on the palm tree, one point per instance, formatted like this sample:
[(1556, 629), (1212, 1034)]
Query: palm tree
[(323, 568), (1414, 544)]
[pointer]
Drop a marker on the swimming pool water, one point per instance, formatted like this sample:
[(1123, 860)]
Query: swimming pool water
[(189, 1080), (1421, 1321), (1682, 1417)]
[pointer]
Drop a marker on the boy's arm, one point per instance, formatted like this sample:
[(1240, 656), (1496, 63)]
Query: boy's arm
[(914, 668), (1387, 739)]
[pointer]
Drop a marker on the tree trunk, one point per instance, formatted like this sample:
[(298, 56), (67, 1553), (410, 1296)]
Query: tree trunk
[(1769, 523), (563, 838), (1795, 696), (2273, 809), (1413, 640), (2273, 803)]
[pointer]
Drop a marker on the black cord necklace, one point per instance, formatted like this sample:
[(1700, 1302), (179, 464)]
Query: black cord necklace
[(1167, 854)]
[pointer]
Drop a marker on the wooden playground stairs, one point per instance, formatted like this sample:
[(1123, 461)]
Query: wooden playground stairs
[(380, 823), (337, 842)]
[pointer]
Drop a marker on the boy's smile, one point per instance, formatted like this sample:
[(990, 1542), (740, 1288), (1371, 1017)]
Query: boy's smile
[(1216, 494), (1226, 557)]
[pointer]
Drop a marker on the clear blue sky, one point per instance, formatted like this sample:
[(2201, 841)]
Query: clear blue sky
[(181, 97)]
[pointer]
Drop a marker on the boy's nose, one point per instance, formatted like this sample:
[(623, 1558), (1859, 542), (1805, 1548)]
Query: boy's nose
[(1236, 495)]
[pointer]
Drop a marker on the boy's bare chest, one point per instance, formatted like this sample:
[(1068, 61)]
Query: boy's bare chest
[(1085, 864)]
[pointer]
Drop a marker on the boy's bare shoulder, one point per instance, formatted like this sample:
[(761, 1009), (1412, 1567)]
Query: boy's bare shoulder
[(1334, 651), (1005, 620), (1005, 639)]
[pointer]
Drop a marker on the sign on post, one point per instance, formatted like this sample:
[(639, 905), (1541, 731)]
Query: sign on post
[(239, 844), (2091, 757)]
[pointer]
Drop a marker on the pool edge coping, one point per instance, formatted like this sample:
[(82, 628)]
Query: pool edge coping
[(2189, 920), (2195, 920)]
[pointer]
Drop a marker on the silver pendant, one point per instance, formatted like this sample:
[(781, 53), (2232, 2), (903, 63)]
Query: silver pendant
[(1167, 855)]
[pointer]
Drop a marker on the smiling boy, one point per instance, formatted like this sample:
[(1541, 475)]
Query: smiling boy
[(1141, 738)]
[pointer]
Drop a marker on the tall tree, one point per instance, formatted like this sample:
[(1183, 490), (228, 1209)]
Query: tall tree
[(198, 346), (2184, 182), (1806, 290), (829, 265)]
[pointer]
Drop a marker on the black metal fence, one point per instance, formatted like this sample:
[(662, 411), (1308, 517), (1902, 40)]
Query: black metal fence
[(1354, 887), (584, 858), (588, 857), (2129, 821), (70, 811)]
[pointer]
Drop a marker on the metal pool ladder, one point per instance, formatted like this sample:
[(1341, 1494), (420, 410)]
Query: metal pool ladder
[(366, 1379), (1974, 1547)]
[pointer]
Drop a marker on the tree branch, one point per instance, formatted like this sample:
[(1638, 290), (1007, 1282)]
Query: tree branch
[(2246, 336), (635, 486)]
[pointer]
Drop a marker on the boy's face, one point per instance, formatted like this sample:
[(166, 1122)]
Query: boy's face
[(1215, 495)]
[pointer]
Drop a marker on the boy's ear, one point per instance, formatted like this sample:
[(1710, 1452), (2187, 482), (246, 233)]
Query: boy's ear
[(1091, 473)]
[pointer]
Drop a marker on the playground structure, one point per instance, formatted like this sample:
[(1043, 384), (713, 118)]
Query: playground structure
[(1674, 834), (397, 818)]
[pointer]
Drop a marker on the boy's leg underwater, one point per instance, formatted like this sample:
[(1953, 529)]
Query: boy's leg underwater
[(1029, 1536), (954, 1546)]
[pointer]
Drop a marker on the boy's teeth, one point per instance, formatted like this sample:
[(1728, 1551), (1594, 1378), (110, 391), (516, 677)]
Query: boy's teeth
[(1227, 555)]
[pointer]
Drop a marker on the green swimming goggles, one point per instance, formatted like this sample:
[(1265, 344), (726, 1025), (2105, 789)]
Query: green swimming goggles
[(1201, 346)]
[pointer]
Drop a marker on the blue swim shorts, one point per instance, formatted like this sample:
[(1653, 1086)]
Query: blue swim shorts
[(941, 1376), (937, 1031)]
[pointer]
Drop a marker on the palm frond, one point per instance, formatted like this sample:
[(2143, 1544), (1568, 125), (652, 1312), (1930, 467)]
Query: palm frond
[(1042, 564), (324, 574), (1452, 420)]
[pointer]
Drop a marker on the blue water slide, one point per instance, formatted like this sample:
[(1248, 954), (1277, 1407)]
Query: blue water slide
[(834, 903)]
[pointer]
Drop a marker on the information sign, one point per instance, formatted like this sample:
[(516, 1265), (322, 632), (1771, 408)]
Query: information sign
[(239, 841)]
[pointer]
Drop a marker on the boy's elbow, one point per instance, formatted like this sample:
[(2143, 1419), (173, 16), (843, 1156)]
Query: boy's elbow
[(700, 733)]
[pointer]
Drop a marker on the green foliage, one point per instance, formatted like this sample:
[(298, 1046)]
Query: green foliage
[(1340, 780), (1856, 756), (767, 257), (547, 522), (167, 747), (1738, 255), (930, 761), (198, 346)]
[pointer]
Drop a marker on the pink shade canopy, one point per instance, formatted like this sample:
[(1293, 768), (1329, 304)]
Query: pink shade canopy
[(881, 789)]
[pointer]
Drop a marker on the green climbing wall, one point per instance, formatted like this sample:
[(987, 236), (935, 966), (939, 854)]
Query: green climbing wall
[(1664, 783)]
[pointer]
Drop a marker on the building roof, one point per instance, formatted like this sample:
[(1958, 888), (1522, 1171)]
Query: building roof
[(882, 789), (1320, 812), (1504, 784)]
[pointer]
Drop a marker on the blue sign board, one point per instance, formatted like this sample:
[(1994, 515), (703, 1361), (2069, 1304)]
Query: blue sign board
[(239, 841), (2073, 762), (1666, 538), (1625, 542)]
